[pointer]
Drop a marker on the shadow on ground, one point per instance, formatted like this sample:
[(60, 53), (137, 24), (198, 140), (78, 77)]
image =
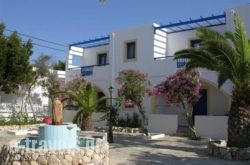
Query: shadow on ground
[(168, 150)]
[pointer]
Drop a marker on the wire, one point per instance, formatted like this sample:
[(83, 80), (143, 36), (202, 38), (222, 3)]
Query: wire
[(61, 50), (36, 38), (58, 44)]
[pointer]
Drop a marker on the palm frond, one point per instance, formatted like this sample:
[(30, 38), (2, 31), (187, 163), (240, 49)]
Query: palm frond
[(240, 39), (76, 117), (197, 58), (221, 79), (229, 55), (206, 34)]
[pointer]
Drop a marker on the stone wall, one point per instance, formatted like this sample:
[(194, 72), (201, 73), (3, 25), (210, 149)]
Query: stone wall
[(219, 149), (120, 130), (15, 155), (17, 127), (126, 130)]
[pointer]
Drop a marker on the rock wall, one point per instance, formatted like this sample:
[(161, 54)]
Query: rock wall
[(17, 127), (220, 149), (11, 154)]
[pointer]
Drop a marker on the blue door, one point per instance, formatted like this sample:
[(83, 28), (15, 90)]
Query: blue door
[(200, 108)]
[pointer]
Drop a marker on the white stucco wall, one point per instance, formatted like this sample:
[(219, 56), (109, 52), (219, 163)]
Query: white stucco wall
[(161, 108), (181, 40), (90, 55), (214, 127), (72, 74), (37, 97), (218, 102), (163, 124), (143, 36)]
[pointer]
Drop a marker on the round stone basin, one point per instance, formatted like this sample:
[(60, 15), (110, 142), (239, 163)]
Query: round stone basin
[(55, 144)]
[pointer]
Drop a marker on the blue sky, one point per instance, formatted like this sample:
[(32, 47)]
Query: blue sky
[(69, 21)]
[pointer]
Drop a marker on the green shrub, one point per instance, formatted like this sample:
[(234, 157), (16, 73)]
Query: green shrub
[(191, 136), (133, 122), (18, 118), (3, 121)]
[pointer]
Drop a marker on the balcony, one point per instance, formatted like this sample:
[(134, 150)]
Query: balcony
[(96, 72), (87, 70), (180, 63)]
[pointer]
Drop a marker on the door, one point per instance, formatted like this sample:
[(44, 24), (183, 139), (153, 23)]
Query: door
[(200, 108)]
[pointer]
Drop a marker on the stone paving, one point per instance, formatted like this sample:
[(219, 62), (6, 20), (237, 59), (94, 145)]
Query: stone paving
[(170, 150)]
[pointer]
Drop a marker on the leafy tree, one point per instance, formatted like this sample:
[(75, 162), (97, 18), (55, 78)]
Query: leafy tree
[(3, 59), (42, 66), (60, 65), (15, 69), (134, 86), (40, 72), (183, 87), (48, 80), (52, 86), (229, 55)]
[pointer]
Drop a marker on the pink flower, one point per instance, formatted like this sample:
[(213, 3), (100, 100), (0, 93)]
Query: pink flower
[(182, 86)]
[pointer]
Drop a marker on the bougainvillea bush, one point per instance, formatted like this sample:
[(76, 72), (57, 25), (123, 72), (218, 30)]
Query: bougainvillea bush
[(182, 87), (134, 85)]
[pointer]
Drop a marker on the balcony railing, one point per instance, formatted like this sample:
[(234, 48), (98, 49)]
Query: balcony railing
[(88, 70), (181, 62)]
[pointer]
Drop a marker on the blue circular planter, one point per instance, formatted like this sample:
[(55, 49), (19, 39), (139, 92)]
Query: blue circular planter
[(56, 137)]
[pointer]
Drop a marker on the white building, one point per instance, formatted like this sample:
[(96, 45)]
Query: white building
[(40, 102), (150, 49)]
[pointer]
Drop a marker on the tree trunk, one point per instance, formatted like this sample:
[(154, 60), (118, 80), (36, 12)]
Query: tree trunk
[(239, 119), (87, 123), (144, 119), (30, 102), (32, 108), (189, 117)]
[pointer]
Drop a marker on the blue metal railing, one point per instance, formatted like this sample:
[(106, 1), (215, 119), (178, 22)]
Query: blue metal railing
[(181, 62), (87, 70)]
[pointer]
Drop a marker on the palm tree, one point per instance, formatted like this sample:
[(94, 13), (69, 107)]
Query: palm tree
[(85, 102), (229, 55)]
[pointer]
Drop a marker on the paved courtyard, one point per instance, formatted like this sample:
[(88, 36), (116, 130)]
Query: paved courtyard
[(170, 150)]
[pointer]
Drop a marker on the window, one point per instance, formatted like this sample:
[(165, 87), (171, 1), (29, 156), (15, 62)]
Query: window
[(102, 59), (195, 43), (131, 50)]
